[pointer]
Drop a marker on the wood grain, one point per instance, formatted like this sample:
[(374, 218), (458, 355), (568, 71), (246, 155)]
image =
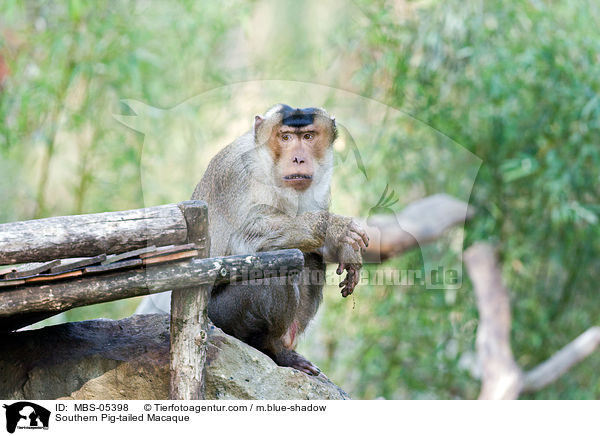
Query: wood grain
[(90, 235), (52, 277), (31, 269), (73, 264), (189, 318)]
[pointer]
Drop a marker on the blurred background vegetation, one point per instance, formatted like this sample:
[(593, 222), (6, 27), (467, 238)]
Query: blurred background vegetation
[(516, 83)]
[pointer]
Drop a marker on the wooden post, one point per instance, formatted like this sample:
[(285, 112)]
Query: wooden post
[(189, 318)]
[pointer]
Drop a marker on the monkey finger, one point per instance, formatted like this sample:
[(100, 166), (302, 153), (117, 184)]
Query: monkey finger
[(346, 291), (365, 237), (359, 230), (358, 238), (349, 288), (353, 275), (340, 269), (353, 283)]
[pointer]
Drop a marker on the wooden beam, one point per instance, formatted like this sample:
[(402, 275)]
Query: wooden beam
[(73, 264), (21, 304), (90, 235), (31, 269)]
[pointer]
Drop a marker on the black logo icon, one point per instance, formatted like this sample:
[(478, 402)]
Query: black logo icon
[(26, 415)]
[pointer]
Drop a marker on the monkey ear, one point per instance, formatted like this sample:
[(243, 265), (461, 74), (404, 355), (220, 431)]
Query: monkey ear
[(260, 136), (334, 129), (258, 120)]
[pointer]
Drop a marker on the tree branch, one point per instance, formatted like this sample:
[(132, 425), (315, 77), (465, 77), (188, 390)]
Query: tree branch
[(557, 365), (420, 222), (501, 377)]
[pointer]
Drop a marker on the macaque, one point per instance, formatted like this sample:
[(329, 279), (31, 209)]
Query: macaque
[(270, 190)]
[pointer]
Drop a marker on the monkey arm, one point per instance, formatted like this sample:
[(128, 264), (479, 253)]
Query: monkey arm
[(333, 236), (337, 238), (267, 228)]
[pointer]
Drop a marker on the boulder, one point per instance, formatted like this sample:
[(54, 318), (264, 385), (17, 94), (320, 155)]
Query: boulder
[(128, 359)]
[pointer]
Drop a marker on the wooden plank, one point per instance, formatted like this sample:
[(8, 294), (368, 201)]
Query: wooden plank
[(90, 235), (51, 277), (31, 269), (73, 264), (19, 305), (169, 249), (11, 282), (170, 257), (125, 264), (6, 269), (128, 255), (70, 269)]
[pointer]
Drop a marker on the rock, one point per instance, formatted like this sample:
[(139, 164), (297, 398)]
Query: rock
[(129, 359), (235, 370)]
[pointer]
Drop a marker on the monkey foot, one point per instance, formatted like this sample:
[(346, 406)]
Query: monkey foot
[(294, 360)]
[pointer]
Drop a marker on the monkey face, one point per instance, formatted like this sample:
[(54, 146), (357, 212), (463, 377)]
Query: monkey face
[(298, 141), (297, 149)]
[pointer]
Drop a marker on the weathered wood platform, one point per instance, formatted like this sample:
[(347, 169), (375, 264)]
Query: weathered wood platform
[(31, 302)]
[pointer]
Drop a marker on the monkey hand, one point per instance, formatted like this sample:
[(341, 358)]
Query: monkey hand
[(355, 236), (351, 261), (342, 232), (352, 277), (345, 239)]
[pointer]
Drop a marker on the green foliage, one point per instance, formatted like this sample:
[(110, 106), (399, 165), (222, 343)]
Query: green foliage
[(515, 83), (70, 64)]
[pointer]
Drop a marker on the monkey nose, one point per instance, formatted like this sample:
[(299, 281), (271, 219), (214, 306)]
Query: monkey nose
[(298, 160)]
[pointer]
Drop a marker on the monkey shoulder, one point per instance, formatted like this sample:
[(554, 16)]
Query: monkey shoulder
[(226, 173)]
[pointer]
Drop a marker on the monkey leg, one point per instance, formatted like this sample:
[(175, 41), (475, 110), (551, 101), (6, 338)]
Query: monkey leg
[(263, 314)]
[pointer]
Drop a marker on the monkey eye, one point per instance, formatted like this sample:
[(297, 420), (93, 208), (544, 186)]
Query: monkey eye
[(286, 137), (308, 136)]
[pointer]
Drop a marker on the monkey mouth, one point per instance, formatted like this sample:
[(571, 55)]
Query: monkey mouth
[(298, 177), (299, 182)]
